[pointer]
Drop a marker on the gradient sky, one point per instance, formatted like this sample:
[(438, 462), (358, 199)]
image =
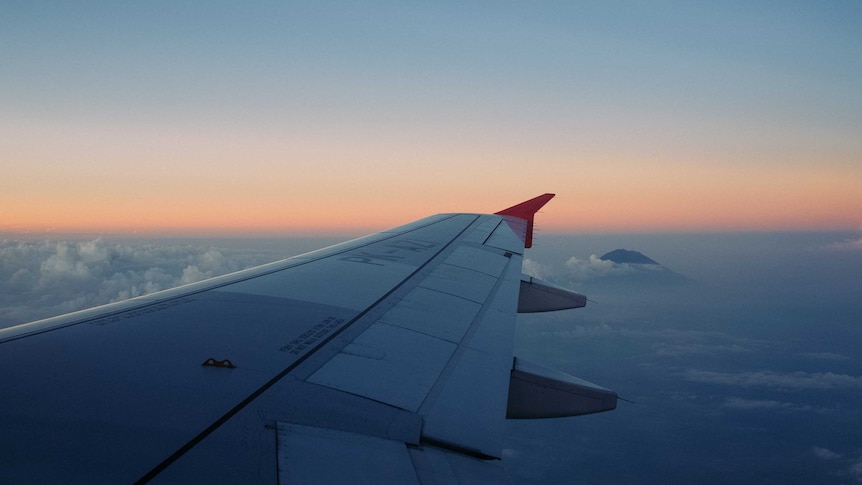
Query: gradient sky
[(288, 116)]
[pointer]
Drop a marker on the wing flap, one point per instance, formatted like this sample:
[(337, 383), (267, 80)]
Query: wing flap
[(540, 392), (539, 296)]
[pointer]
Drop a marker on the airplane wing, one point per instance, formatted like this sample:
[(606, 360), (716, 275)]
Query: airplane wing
[(386, 359)]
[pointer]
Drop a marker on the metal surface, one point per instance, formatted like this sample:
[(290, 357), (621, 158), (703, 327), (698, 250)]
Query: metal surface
[(536, 391), (539, 296)]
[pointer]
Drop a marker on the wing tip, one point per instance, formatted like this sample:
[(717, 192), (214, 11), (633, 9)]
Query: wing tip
[(527, 211)]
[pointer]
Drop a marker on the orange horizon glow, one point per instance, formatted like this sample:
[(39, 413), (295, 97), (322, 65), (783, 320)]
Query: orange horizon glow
[(626, 196), (562, 215), (145, 183)]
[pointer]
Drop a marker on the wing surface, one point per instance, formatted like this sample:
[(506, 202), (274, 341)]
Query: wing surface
[(383, 359)]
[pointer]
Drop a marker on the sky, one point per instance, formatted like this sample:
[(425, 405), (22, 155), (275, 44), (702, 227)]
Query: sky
[(326, 117)]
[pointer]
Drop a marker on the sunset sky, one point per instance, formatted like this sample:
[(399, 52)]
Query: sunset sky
[(345, 116)]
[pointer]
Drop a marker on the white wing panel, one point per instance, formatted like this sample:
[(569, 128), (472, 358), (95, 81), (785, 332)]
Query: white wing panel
[(434, 313), (482, 261), (384, 354), (458, 281)]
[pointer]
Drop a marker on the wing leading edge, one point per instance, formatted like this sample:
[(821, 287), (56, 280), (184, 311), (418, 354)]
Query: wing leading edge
[(387, 358)]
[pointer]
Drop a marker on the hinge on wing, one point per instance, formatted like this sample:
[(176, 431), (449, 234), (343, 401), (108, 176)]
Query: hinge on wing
[(219, 363)]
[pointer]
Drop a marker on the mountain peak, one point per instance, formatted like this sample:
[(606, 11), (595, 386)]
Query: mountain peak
[(622, 256)]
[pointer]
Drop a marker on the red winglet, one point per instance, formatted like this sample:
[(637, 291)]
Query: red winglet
[(527, 211)]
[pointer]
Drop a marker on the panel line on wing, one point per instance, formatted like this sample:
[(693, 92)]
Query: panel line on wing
[(383, 354), (459, 281), (433, 313)]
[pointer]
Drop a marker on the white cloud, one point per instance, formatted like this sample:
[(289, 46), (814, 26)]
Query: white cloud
[(576, 270), (856, 469), (191, 273), (849, 465), (510, 453), (777, 380), (740, 403), (39, 279), (595, 267), (668, 342), (743, 404), (679, 350), (825, 356), (536, 269), (825, 453), (581, 331), (847, 245)]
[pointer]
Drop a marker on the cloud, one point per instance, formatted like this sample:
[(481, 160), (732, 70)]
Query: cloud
[(740, 403), (510, 453), (581, 331), (594, 267), (763, 404), (849, 465), (856, 469), (825, 453), (576, 270), (680, 350), (39, 279), (536, 269), (777, 380), (825, 356), (679, 343), (847, 245), (668, 342)]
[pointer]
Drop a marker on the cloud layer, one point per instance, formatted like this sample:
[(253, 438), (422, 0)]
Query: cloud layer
[(576, 270), (39, 279), (778, 380), (847, 245)]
